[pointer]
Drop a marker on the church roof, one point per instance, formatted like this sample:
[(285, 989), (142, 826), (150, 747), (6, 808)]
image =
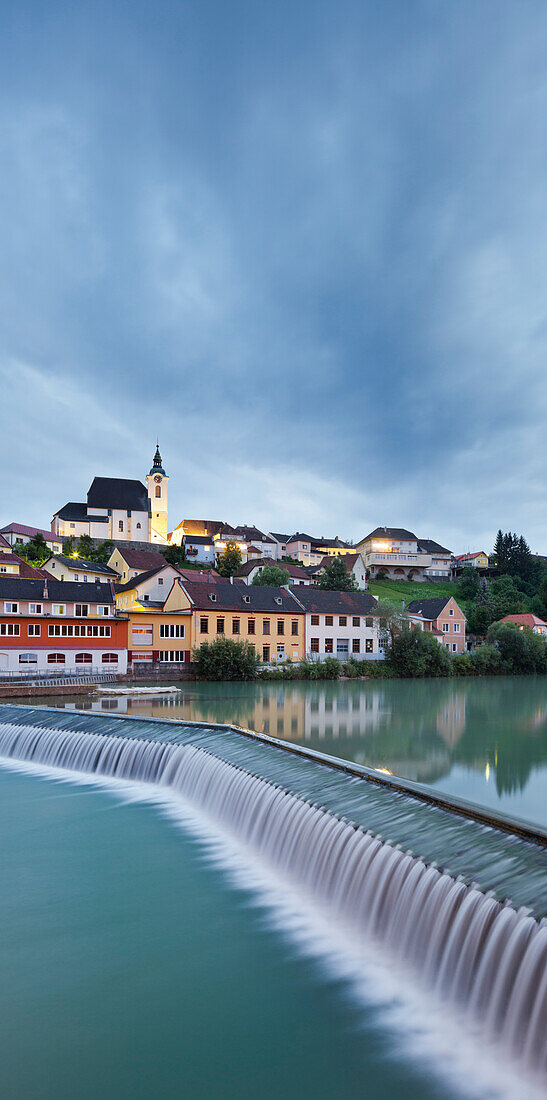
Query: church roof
[(117, 492)]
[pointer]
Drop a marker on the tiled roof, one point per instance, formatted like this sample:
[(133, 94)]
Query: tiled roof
[(26, 571), (199, 540), (29, 532), (293, 570), (391, 533), (321, 543), (300, 537), (118, 492), (428, 609), (524, 620), (427, 546), (79, 564), (142, 559), (251, 534), (211, 527), (470, 557), (4, 544), (200, 576), (128, 586), (323, 601), (348, 560), (23, 588), (78, 512), (279, 538), (239, 597)]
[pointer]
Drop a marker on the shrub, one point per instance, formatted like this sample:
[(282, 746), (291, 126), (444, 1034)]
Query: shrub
[(521, 651), (225, 659), (462, 664), (417, 653), (487, 660)]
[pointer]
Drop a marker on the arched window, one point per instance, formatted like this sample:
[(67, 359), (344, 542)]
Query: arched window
[(56, 659), (28, 658), (138, 529), (110, 658), (83, 658), (158, 490)]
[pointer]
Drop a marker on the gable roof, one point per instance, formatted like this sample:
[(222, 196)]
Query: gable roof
[(78, 512), (251, 534), (79, 563), (349, 560), (470, 557), (198, 526), (524, 620), (199, 540), (323, 601), (430, 608), (278, 538), (25, 588), (26, 571), (141, 559), (299, 536), (321, 543), (292, 568), (29, 532), (428, 546), (4, 544), (118, 492), (201, 575), (240, 597), (391, 533), (128, 586)]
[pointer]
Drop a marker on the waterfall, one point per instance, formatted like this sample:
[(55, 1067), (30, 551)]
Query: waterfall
[(477, 953)]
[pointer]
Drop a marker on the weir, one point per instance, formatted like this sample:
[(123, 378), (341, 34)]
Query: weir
[(334, 837)]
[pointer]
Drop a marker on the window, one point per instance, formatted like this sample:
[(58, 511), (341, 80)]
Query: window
[(265, 653), (83, 658), (110, 658), (342, 646), (120, 525), (266, 626), (204, 625), (28, 658), (213, 597), (34, 630), (59, 609), (278, 600), (160, 580), (246, 599), (172, 630), (138, 526), (103, 610), (294, 627), (356, 621), (451, 611), (280, 626), (220, 626), (11, 608), (356, 646), (76, 577), (329, 620), (177, 655), (235, 626), (35, 608), (342, 620), (251, 626), (328, 645), (140, 635), (72, 525), (369, 622), (314, 645), (11, 630), (158, 490), (56, 659), (368, 646), (454, 647), (456, 628), (445, 628), (97, 580), (314, 620), (81, 610)]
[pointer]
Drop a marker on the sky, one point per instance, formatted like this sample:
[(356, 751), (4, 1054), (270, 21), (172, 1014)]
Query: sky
[(304, 244)]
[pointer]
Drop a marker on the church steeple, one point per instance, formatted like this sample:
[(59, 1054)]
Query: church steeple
[(157, 467)]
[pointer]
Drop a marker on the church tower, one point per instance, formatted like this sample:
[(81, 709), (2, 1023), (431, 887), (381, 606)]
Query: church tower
[(156, 482)]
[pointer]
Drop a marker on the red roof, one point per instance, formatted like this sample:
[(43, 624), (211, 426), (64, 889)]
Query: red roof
[(4, 542), (524, 620), (469, 557), (22, 529), (203, 575)]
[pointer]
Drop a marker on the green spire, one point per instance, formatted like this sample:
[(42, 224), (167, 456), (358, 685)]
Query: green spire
[(157, 467)]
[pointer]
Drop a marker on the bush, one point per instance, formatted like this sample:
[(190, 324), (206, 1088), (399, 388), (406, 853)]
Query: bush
[(225, 659), (486, 660), (521, 651), (417, 653), (462, 664)]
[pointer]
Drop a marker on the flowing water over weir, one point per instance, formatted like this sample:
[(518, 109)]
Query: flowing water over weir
[(470, 948)]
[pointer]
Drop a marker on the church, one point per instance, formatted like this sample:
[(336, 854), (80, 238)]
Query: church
[(119, 509)]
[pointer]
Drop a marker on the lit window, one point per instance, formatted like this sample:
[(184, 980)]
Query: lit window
[(329, 645), (368, 645)]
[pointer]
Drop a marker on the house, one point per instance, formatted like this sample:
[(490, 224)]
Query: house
[(479, 560), (353, 563), (128, 562), (151, 587), (535, 624), (12, 565), (200, 548), (250, 540), (156, 636), (77, 569), (442, 616), (281, 543), (270, 619), (333, 548), (340, 624), (299, 546), (51, 625), (201, 527), (19, 532), (400, 555), (119, 508), (247, 572)]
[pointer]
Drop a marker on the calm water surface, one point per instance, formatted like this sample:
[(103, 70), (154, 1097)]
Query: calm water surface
[(484, 740)]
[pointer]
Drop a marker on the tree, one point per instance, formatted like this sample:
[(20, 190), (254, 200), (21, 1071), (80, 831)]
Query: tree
[(469, 583), (505, 599), (174, 555), (69, 548), (539, 602), (225, 659), (418, 653), (391, 619), (337, 578), (520, 650), (272, 575), (85, 547), (35, 550), (229, 561), (479, 619)]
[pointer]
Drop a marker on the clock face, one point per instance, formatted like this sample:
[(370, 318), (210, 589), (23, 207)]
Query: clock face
[(157, 478)]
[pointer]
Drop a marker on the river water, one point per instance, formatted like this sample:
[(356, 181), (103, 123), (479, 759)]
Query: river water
[(484, 740)]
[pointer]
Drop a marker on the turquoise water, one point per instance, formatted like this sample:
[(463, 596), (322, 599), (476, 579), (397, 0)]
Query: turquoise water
[(133, 967), (484, 740)]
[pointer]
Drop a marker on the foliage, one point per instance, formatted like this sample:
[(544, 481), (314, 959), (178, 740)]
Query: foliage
[(469, 584), (272, 575), (337, 578), (479, 618), (329, 669), (520, 650), (229, 561), (505, 598), (34, 551), (103, 552), (225, 659), (418, 653), (174, 555), (539, 602), (462, 664), (85, 547), (486, 660), (391, 620)]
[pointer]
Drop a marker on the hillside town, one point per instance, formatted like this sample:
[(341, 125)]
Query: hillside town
[(117, 591)]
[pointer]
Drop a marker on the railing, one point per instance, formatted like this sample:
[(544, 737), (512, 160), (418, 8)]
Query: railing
[(16, 676)]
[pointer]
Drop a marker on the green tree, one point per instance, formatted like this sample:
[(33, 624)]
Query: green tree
[(469, 584), (337, 578), (69, 548), (35, 550), (521, 651), (85, 547), (272, 575), (505, 599), (174, 555), (102, 552), (225, 659), (479, 619), (229, 561), (418, 653), (539, 602)]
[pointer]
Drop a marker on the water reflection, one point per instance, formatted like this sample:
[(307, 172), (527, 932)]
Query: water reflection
[(494, 729)]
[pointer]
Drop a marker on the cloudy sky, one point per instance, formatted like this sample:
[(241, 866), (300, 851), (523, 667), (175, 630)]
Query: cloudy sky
[(303, 243)]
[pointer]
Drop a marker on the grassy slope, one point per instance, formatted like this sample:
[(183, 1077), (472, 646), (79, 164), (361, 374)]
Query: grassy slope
[(411, 590)]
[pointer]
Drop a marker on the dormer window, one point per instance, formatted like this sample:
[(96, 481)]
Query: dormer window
[(278, 599), (213, 597), (246, 599)]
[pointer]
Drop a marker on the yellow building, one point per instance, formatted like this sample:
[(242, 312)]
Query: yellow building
[(270, 619), (154, 636)]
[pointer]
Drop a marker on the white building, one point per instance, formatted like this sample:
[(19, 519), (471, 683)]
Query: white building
[(340, 624)]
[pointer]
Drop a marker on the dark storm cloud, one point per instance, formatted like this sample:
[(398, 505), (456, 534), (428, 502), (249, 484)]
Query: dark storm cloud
[(303, 243)]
